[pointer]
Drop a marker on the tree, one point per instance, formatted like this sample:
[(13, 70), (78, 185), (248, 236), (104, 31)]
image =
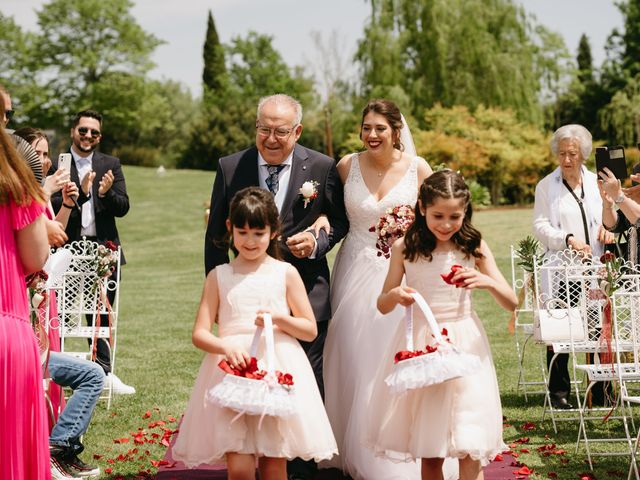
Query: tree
[(585, 61), (490, 145), (456, 52), (622, 114), (81, 42), (226, 123), (619, 80), (629, 54), (214, 70)]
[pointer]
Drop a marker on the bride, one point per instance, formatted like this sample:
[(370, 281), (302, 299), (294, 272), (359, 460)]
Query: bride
[(388, 173)]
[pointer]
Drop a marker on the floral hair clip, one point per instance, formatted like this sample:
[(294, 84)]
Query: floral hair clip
[(309, 191)]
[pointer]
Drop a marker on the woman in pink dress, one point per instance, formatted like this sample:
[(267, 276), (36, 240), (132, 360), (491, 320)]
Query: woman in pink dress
[(51, 184), (24, 452)]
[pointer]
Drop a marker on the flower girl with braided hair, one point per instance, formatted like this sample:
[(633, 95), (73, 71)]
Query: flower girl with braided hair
[(444, 258), (235, 296)]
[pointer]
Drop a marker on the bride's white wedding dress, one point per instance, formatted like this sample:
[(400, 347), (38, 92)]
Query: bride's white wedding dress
[(358, 334)]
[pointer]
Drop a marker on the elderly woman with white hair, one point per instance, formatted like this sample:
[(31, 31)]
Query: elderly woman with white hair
[(568, 214)]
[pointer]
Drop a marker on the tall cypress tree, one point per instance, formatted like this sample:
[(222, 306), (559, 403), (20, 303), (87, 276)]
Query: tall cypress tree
[(213, 55), (585, 61)]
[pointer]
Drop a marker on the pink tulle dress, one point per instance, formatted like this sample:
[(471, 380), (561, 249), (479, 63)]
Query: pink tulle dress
[(456, 418), (209, 431), (24, 439)]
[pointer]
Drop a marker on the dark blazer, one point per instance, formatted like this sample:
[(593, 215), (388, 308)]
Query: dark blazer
[(240, 170), (114, 204)]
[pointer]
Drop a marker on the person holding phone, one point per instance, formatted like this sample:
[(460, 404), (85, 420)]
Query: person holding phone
[(568, 214), (620, 211), (59, 181), (102, 198)]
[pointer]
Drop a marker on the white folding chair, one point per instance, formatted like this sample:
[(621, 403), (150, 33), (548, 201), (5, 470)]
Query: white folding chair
[(522, 282), (599, 346), (626, 333), (571, 282), (83, 294)]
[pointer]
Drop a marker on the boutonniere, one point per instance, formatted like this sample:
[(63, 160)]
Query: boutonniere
[(309, 192)]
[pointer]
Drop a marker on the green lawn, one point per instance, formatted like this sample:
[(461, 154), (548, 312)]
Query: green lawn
[(162, 237)]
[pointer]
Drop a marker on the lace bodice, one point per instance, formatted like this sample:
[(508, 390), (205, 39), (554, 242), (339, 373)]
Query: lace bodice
[(242, 295), (364, 211)]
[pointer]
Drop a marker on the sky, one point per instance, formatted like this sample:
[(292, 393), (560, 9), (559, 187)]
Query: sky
[(182, 25)]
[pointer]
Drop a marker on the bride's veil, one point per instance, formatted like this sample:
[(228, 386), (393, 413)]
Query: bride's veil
[(406, 139)]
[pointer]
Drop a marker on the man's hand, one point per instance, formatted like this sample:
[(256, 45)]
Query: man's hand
[(87, 181), (301, 244), (105, 183)]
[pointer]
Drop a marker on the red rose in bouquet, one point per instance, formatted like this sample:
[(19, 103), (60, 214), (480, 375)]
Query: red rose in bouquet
[(391, 226)]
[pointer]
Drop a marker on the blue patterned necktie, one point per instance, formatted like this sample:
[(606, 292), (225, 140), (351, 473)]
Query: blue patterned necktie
[(273, 180)]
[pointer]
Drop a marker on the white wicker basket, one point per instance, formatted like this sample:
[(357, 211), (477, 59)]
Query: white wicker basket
[(446, 363), (252, 396)]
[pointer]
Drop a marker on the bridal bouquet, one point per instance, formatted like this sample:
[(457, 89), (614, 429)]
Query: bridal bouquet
[(391, 226)]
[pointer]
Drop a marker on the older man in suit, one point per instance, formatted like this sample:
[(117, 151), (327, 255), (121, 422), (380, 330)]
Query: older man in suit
[(279, 164), (103, 197)]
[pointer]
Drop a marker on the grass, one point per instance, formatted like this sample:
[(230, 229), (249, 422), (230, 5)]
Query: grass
[(162, 238)]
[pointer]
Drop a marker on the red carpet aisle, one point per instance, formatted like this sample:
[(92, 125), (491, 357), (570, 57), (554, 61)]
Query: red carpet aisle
[(172, 470)]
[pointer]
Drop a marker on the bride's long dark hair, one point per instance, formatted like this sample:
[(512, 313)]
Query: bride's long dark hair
[(419, 240)]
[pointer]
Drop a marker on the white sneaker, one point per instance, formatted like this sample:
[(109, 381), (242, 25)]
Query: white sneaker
[(61, 471), (118, 386)]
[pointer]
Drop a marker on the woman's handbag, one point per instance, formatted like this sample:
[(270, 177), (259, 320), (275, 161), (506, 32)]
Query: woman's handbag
[(558, 325), (257, 396), (436, 364)]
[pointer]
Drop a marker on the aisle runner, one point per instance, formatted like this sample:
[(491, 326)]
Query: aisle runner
[(177, 471)]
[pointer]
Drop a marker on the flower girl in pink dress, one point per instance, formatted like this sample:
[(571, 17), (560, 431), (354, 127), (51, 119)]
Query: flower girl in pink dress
[(460, 418), (235, 296)]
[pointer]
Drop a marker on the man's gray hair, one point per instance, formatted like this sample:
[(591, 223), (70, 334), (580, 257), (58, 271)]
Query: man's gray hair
[(282, 99), (573, 132)]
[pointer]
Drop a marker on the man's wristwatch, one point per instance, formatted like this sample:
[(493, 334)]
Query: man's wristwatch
[(619, 199)]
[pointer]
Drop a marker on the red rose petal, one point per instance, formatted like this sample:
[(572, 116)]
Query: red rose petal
[(524, 470)]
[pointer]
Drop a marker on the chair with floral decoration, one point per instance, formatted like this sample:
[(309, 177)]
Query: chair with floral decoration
[(82, 293)]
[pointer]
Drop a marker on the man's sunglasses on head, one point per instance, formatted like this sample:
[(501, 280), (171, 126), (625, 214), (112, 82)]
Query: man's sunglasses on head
[(84, 130)]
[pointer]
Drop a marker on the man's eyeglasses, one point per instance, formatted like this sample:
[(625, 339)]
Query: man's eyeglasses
[(84, 130), (280, 132), (9, 114)]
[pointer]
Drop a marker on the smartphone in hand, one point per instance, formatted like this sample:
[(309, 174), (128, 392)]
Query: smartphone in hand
[(64, 161), (613, 159)]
